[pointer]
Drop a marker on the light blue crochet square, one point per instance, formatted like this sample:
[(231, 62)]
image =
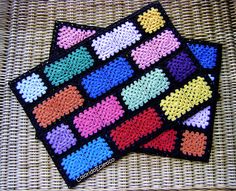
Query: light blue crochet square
[(88, 157), (31, 88)]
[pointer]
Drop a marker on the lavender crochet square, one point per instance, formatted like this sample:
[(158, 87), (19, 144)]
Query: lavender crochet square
[(181, 66), (61, 138)]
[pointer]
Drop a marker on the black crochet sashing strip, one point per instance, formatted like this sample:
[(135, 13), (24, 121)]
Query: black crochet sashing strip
[(74, 81), (180, 128)]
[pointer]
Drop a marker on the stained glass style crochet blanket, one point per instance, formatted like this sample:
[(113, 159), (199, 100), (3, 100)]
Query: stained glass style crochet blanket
[(179, 141), (125, 87)]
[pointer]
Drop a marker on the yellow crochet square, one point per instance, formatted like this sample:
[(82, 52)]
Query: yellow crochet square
[(151, 20), (184, 99)]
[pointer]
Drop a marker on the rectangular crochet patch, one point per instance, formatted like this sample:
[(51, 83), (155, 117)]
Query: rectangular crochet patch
[(103, 79), (99, 116), (85, 63), (60, 104), (89, 156)]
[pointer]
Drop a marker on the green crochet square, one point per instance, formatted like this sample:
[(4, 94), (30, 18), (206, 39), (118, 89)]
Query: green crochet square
[(66, 68), (144, 89)]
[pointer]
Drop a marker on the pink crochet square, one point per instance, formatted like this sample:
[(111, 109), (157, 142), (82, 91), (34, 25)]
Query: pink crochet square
[(153, 50), (99, 116), (69, 36)]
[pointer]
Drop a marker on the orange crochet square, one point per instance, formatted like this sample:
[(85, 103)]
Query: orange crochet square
[(193, 143), (62, 103)]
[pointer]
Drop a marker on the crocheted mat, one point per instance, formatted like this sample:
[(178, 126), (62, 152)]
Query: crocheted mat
[(20, 152)]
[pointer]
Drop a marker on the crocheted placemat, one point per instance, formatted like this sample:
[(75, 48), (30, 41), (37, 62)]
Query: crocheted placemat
[(171, 142), (31, 52)]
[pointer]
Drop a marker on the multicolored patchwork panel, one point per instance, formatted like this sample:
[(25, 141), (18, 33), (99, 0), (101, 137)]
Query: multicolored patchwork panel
[(113, 90), (192, 138), (180, 67)]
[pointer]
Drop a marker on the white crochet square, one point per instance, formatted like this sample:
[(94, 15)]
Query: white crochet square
[(31, 88), (119, 38)]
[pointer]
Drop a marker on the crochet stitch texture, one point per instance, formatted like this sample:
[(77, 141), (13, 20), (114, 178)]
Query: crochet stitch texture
[(62, 103), (86, 158), (61, 138), (31, 88), (69, 36), (144, 89), (182, 100), (103, 79), (181, 66), (66, 68), (193, 143), (205, 54), (151, 20), (200, 119), (135, 128), (118, 39), (99, 116), (163, 142), (153, 50)]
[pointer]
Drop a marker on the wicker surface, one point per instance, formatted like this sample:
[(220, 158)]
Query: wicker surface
[(26, 33)]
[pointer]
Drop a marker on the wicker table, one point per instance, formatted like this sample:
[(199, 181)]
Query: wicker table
[(26, 29)]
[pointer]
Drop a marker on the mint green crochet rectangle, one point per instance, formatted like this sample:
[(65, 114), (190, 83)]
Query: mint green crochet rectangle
[(144, 89), (66, 68)]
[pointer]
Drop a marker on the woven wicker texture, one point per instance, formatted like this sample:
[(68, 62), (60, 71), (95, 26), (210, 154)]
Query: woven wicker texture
[(27, 27)]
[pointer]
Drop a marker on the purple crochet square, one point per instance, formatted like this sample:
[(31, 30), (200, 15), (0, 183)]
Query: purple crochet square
[(181, 66), (61, 138)]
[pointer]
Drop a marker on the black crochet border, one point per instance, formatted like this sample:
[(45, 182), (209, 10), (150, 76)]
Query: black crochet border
[(119, 154)]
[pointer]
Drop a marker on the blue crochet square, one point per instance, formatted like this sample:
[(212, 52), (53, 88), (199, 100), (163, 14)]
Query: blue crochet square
[(107, 77), (88, 157), (205, 54)]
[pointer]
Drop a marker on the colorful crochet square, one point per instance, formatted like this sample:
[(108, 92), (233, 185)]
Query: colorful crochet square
[(144, 89), (182, 100), (151, 20), (200, 119), (181, 66), (70, 36), (193, 143), (135, 128), (60, 104), (163, 142), (153, 50), (31, 88), (118, 39), (99, 116), (105, 78), (88, 157), (61, 139), (205, 54), (66, 68)]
